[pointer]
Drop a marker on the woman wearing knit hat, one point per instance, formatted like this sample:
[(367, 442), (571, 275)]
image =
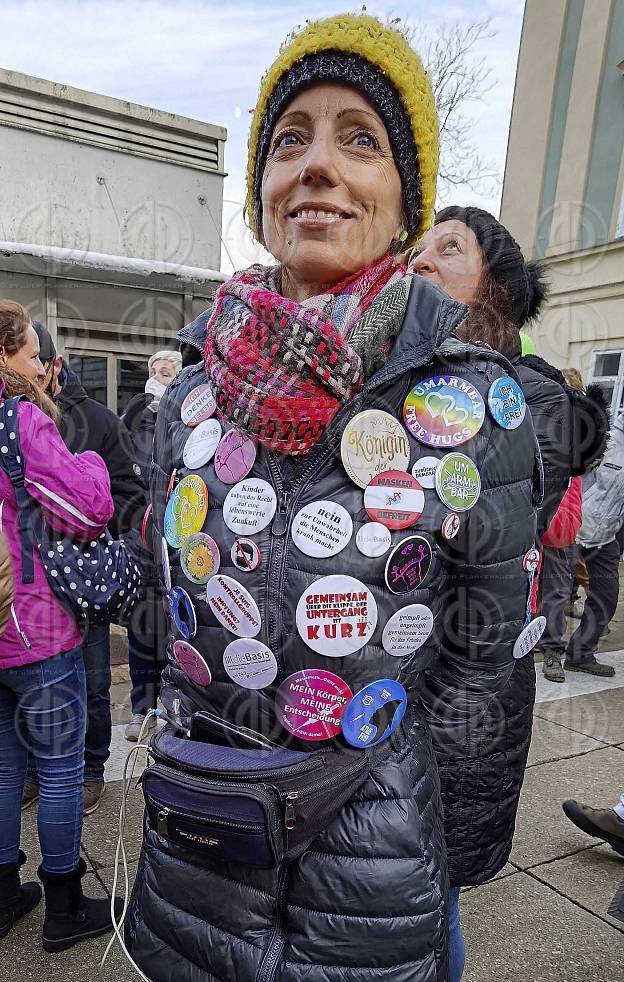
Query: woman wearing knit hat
[(332, 373), (473, 258)]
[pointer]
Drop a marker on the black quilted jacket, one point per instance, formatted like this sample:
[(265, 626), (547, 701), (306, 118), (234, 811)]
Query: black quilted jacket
[(367, 900)]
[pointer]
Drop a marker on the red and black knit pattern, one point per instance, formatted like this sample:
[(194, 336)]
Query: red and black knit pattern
[(279, 372)]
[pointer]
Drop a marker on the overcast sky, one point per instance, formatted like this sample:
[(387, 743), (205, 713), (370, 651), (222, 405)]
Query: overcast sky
[(204, 59)]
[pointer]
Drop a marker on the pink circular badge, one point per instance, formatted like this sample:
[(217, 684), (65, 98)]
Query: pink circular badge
[(310, 704), (394, 499), (235, 457), (192, 663)]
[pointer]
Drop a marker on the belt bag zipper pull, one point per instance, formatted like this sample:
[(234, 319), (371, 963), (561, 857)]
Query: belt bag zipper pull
[(161, 821), (290, 813)]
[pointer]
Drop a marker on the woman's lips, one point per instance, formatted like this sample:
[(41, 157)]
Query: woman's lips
[(317, 218)]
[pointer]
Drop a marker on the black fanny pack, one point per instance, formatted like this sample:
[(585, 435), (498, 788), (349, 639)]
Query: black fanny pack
[(258, 807)]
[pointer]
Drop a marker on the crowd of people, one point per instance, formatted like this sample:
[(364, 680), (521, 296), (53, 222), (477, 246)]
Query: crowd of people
[(363, 505)]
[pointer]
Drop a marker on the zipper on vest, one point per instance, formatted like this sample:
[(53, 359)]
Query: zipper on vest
[(270, 961), (21, 633)]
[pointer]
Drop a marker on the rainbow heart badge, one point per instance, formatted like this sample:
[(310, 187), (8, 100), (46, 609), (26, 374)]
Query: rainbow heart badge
[(444, 411)]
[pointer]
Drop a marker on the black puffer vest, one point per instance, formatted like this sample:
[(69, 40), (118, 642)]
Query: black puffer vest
[(367, 900)]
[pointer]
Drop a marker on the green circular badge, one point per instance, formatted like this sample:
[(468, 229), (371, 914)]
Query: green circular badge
[(458, 482)]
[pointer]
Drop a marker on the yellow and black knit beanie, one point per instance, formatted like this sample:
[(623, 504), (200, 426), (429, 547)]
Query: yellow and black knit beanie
[(356, 50)]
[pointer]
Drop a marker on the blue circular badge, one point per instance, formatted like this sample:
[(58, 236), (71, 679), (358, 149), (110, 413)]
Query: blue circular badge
[(183, 612), (507, 403), (374, 713)]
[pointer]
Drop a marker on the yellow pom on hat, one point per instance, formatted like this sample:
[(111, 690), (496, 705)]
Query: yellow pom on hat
[(391, 59)]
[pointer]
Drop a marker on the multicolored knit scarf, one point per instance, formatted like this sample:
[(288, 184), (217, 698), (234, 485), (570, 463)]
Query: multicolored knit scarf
[(280, 371)]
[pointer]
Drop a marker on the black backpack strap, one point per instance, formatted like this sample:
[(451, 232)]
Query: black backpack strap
[(12, 463)]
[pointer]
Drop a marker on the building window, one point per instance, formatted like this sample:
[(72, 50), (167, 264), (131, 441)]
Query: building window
[(92, 373), (607, 371), (131, 379)]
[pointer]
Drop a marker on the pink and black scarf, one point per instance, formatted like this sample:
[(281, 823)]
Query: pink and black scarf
[(279, 370)]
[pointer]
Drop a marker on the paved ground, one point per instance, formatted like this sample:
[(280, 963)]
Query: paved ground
[(542, 920)]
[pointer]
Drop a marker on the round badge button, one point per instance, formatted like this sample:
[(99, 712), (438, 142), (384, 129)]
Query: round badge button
[(458, 482), (322, 529), (192, 663), (233, 606), (202, 443), (507, 403), (528, 638), (198, 406), (250, 663), (407, 630), (373, 539), (395, 499), (183, 612), (147, 528), (245, 555), (531, 561), (444, 411), (186, 510), (374, 713), (249, 506), (450, 526), (310, 703), (425, 470), (372, 442), (234, 457), (336, 616), (408, 565), (199, 558), (172, 483)]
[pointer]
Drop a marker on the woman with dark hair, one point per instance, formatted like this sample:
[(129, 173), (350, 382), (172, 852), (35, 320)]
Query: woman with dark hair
[(302, 528), (481, 723), (42, 679)]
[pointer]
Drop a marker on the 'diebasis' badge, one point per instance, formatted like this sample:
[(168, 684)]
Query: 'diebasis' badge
[(250, 663), (233, 606), (310, 703), (507, 403), (201, 444), (186, 510), (444, 411), (373, 539), (394, 499), (458, 482), (372, 442), (249, 506), (336, 616), (374, 713), (322, 529)]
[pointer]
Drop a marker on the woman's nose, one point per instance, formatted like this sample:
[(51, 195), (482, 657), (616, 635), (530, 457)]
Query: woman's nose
[(320, 164), (424, 263)]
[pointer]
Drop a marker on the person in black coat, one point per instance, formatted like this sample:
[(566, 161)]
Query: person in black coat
[(87, 425), (481, 727), (146, 633)]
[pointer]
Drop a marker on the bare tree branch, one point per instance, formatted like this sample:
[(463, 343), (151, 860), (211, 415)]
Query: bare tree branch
[(458, 77)]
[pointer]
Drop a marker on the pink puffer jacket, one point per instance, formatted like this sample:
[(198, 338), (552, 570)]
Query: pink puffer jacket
[(74, 492)]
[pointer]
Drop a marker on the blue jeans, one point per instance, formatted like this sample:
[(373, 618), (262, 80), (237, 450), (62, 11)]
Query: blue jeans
[(457, 947), (44, 706), (96, 658)]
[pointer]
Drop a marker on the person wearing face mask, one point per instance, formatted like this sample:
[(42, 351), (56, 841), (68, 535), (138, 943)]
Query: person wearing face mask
[(481, 726), (147, 630), (85, 424)]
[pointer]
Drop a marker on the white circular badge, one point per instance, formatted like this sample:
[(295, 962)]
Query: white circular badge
[(198, 406), (322, 529), (250, 663), (425, 470), (373, 539), (528, 638), (202, 443), (233, 606), (336, 616), (249, 506), (407, 630), (165, 564)]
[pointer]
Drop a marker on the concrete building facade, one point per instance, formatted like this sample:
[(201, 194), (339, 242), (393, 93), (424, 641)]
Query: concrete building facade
[(110, 219), (563, 193)]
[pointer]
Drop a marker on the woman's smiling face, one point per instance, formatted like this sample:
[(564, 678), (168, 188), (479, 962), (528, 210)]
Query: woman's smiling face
[(451, 257), (331, 191)]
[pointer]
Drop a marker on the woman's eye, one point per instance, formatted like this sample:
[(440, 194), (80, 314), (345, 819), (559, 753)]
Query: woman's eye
[(451, 246), (365, 140), (286, 140)]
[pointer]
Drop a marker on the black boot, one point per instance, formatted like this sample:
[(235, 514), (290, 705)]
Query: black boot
[(70, 916), (16, 899)]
